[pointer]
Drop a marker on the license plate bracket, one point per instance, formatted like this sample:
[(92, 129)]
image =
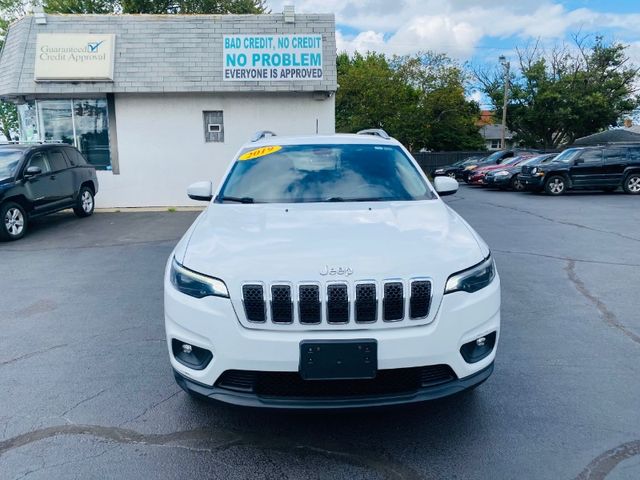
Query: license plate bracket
[(338, 359)]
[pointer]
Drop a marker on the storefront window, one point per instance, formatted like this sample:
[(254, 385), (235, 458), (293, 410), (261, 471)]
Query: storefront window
[(28, 122), (92, 131), (83, 123), (56, 121)]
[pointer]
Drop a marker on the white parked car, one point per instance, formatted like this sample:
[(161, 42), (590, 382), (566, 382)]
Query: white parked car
[(327, 273)]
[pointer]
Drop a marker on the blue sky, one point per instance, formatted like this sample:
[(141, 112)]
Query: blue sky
[(471, 30), (474, 31)]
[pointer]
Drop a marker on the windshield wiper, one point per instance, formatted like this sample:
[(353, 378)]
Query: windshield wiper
[(236, 199), (362, 199)]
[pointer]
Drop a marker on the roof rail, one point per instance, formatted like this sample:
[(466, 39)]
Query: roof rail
[(259, 135), (378, 132)]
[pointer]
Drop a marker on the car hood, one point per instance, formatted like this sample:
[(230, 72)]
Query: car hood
[(296, 242)]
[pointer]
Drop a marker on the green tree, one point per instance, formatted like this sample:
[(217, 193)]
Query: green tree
[(418, 99), (566, 94), (156, 6), (9, 11)]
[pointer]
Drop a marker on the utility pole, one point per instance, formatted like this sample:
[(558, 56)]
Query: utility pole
[(506, 66)]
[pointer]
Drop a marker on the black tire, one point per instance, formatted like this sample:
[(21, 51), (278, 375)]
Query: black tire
[(85, 203), (555, 185), (515, 184), (13, 221), (632, 184)]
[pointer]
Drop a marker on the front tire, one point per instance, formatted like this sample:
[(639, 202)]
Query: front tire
[(516, 184), (13, 224), (555, 185), (632, 184), (85, 203)]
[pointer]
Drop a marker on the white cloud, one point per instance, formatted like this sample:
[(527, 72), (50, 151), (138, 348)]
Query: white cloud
[(457, 27)]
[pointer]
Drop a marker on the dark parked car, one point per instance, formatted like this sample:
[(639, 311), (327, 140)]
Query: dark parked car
[(496, 158), (455, 169), (600, 168), (39, 179), (509, 176)]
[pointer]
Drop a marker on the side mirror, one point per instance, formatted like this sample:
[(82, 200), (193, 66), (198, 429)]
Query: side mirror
[(578, 161), (32, 172), (200, 191), (445, 185)]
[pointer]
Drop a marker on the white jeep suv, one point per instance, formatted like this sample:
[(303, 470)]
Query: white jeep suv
[(327, 273)]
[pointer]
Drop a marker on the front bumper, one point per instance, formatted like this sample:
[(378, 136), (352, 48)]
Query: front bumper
[(497, 180), (253, 400), (211, 323), (477, 179), (531, 182)]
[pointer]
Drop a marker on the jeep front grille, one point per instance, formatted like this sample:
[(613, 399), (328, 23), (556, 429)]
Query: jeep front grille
[(337, 303)]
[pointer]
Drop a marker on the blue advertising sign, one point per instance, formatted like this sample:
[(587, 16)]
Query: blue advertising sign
[(272, 57)]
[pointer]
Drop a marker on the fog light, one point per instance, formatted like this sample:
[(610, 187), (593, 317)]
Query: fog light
[(191, 356), (479, 348)]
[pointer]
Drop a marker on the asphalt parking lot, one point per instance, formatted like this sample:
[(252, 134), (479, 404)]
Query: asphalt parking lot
[(87, 391)]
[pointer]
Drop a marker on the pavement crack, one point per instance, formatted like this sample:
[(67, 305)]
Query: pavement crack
[(151, 407), (603, 464), (82, 401), (608, 316), (31, 354), (218, 441), (561, 222), (566, 259)]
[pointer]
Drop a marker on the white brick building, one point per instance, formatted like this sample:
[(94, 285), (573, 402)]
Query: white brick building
[(159, 101)]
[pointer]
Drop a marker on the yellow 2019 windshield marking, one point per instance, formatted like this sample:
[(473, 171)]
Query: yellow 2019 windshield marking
[(259, 152)]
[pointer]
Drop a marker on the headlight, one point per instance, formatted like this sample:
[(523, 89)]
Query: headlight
[(534, 170), (195, 284), (472, 279), (502, 173)]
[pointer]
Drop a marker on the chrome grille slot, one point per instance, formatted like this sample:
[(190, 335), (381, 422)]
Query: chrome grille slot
[(420, 300), (281, 305), (393, 301), (253, 299), (366, 303), (309, 306), (337, 303)]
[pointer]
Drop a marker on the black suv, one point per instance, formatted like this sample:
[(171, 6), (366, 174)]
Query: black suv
[(39, 179), (600, 168)]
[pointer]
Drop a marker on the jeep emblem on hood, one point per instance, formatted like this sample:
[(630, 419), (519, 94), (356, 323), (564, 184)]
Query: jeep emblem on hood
[(327, 270)]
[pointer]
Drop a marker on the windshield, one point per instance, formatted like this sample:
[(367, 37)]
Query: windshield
[(568, 155), (323, 173), (9, 161), (512, 161), (493, 157)]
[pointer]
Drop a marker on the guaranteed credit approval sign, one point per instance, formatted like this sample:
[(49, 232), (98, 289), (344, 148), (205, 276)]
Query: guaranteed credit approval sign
[(272, 57)]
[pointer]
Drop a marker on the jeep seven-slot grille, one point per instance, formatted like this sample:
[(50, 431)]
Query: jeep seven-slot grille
[(370, 303)]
